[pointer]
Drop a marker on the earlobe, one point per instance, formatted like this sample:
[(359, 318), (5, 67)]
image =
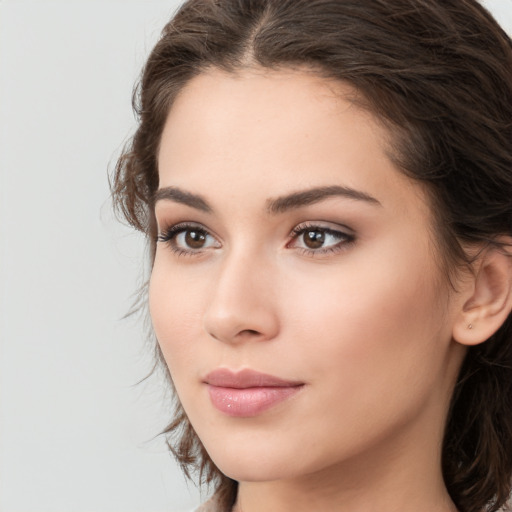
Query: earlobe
[(488, 301)]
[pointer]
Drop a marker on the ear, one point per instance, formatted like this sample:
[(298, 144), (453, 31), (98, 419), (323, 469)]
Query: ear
[(487, 299)]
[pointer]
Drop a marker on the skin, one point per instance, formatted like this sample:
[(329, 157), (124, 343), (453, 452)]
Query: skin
[(364, 322)]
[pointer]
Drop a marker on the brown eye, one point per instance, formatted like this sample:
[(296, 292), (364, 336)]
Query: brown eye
[(314, 239), (319, 239), (195, 239), (184, 239)]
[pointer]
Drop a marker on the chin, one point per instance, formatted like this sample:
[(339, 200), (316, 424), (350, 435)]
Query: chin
[(248, 457), (257, 469)]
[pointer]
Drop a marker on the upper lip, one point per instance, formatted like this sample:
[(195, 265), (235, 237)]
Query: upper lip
[(247, 378)]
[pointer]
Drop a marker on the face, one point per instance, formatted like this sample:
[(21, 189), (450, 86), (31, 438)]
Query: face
[(295, 292)]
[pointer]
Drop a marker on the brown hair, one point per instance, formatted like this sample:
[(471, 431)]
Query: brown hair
[(439, 74)]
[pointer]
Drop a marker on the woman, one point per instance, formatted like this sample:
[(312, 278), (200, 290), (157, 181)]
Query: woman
[(326, 185)]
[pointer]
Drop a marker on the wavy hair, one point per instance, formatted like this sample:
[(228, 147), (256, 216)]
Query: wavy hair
[(438, 73)]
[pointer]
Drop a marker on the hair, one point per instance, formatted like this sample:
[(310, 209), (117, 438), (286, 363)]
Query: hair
[(438, 73)]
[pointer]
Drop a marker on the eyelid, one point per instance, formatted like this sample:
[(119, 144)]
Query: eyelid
[(168, 235), (176, 227), (171, 235), (344, 233), (323, 226)]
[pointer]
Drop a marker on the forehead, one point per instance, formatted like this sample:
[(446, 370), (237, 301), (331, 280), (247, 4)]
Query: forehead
[(221, 107), (254, 98), (273, 131)]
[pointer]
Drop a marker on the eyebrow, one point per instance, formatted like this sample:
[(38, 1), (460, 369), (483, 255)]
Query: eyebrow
[(181, 196), (315, 195), (274, 206)]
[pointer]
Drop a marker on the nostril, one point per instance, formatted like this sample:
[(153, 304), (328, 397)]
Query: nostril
[(251, 331)]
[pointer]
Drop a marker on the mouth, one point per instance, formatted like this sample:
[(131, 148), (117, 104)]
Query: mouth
[(248, 393)]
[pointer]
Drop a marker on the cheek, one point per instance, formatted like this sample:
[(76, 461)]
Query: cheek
[(175, 308), (370, 322), (370, 347)]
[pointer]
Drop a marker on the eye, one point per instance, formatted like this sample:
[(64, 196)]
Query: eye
[(320, 239), (188, 238)]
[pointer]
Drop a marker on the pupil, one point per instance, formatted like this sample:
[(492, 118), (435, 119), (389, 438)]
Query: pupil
[(195, 239), (314, 239)]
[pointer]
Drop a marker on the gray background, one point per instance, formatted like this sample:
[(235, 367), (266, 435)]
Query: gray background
[(76, 433)]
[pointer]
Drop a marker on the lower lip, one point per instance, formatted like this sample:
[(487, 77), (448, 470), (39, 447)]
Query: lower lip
[(249, 402)]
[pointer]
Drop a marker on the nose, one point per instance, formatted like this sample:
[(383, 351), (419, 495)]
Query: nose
[(242, 304)]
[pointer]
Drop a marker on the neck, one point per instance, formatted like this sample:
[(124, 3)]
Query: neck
[(346, 496)]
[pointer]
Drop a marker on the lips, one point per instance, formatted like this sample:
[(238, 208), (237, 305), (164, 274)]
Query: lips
[(247, 393)]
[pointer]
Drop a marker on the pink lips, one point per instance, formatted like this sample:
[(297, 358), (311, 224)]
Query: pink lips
[(247, 393)]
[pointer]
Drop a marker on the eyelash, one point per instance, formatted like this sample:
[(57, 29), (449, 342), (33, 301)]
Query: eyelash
[(346, 239), (169, 235)]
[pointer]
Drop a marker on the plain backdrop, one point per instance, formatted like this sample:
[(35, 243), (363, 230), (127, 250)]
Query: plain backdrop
[(77, 434)]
